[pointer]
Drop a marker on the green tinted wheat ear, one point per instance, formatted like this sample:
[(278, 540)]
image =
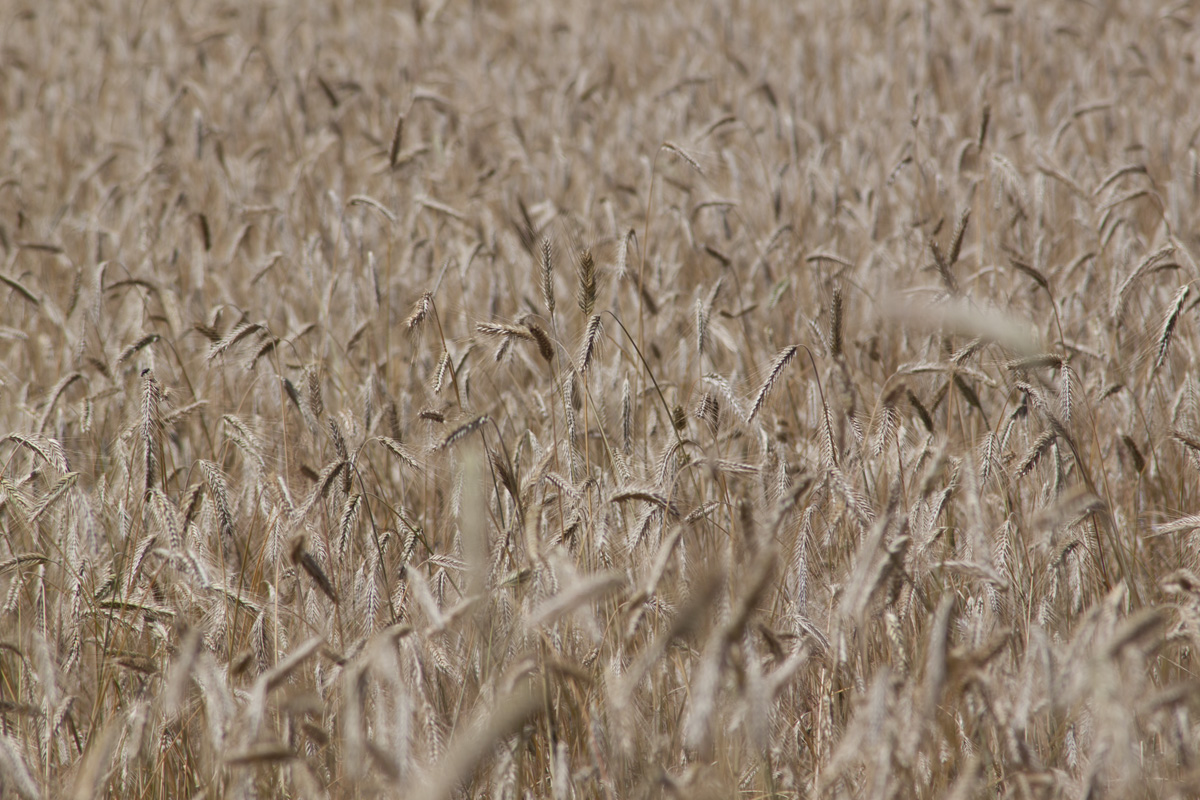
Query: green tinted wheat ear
[(397, 140), (423, 311), (305, 560), (704, 307), (626, 418), (1065, 401), (439, 373), (591, 338), (339, 441), (312, 391), (348, 521), (391, 420), (218, 489), (56, 493), (587, 282), (235, 334), (506, 333), (544, 345), (943, 268), (835, 322), (465, 430), (48, 449), (149, 426), (547, 275), (132, 349), (957, 240), (709, 410), (623, 253), (1035, 452), (568, 403), (1168, 328), (419, 314)]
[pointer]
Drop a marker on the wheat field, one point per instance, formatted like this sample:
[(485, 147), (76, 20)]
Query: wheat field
[(599, 400)]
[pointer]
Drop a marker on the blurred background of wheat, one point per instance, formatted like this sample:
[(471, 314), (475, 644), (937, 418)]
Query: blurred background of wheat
[(599, 400)]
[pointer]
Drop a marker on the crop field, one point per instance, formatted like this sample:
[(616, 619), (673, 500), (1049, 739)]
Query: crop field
[(599, 400)]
